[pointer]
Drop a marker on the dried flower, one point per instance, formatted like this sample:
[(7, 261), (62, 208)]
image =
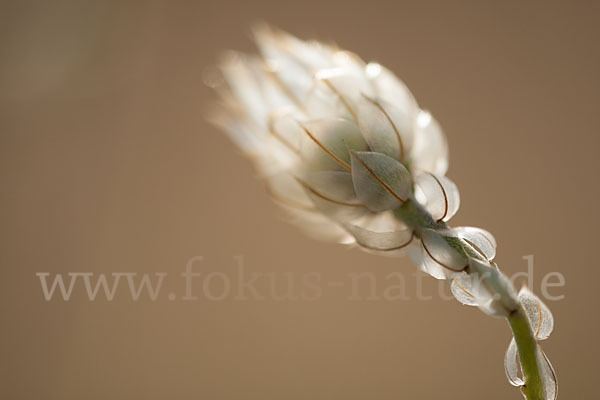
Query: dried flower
[(542, 322), (346, 150), (334, 138)]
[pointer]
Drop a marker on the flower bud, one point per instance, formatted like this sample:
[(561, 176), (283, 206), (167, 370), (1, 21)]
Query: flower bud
[(311, 116)]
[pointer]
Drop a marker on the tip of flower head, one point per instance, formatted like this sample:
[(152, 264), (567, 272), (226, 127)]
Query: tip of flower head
[(212, 76), (231, 60), (264, 33), (260, 28)]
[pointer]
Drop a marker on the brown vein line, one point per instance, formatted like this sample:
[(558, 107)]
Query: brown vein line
[(476, 248), (278, 136), (391, 248), (442, 264), (445, 197), (326, 150), (488, 239), (342, 99), (318, 194), (382, 183), (387, 116), (288, 202), (463, 288), (539, 324)]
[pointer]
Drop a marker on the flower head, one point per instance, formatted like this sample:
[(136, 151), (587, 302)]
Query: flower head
[(340, 142), (344, 147)]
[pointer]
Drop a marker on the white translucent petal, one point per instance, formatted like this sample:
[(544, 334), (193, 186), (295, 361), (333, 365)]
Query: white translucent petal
[(387, 129), (513, 370), (380, 222), (540, 316), (493, 290), (462, 291), (325, 144), (272, 91), (391, 89), (336, 93), (430, 149), (431, 267), (438, 194), (383, 241), (244, 75), (415, 253), (245, 134), (333, 194), (279, 150), (268, 155), (312, 54), (253, 86), (285, 189), (351, 62), (470, 290), (250, 102), (348, 77), (289, 194), (295, 80), (334, 184), (316, 225), (321, 102), (512, 367), (284, 128), (480, 240), (381, 182), (440, 260), (276, 157), (293, 61), (548, 374)]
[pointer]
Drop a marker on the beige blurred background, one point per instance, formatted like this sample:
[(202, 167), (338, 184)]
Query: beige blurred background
[(107, 165)]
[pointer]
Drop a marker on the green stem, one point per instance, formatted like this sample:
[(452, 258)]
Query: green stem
[(417, 218), (527, 346)]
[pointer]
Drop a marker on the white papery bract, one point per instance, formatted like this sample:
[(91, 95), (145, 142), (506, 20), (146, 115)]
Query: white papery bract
[(514, 374), (480, 240), (542, 324), (493, 290), (438, 258), (461, 287), (512, 366), (539, 314), (548, 374), (342, 145), (484, 286), (339, 141), (438, 194), (380, 182)]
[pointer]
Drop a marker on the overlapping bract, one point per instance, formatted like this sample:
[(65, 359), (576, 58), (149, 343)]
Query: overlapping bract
[(340, 142), (542, 323)]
